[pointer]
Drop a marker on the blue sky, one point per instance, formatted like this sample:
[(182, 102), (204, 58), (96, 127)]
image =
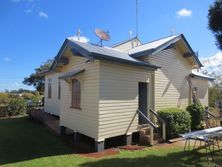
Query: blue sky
[(32, 31)]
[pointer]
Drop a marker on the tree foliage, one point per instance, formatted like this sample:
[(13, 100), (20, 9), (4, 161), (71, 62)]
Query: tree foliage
[(37, 80), (215, 21), (215, 96)]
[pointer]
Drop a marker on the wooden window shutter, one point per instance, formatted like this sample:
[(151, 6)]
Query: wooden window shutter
[(76, 93)]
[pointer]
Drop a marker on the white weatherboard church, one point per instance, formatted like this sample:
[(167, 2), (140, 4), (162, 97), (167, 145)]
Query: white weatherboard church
[(96, 90)]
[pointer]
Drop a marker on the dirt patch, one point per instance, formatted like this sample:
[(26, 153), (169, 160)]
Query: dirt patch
[(132, 147), (105, 153)]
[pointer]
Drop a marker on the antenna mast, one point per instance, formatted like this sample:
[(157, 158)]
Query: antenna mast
[(130, 34), (137, 21), (172, 30), (78, 34)]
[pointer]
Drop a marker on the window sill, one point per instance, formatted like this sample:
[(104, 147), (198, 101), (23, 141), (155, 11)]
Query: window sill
[(78, 108)]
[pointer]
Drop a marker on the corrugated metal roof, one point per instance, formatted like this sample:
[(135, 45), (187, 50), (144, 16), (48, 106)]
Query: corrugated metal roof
[(151, 45), (199, 75), (103, 52), (156, 46), (71, 74)]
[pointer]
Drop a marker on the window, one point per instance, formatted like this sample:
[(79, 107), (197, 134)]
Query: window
[(49, 88), (59, 90), (76, 93)]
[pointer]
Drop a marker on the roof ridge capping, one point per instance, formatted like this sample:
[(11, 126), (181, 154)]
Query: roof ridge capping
[(162, 38)]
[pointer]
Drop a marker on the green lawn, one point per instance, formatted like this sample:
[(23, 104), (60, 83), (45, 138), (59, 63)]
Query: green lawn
[(24, 142)]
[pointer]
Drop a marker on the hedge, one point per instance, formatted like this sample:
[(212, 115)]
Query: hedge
[(197, 116), (178, 121)]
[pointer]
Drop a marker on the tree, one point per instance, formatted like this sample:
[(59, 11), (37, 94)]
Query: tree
[(37, 80), (215, 21)]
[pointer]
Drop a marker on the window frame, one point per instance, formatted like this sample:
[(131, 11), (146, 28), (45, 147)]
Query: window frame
[(75, 94), (49, 88), (59, 90)]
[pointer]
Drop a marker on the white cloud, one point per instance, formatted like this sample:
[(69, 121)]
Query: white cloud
[(213, 65), (184, 13), (43, 15), (7, 59), (213, 61), (82, 39)]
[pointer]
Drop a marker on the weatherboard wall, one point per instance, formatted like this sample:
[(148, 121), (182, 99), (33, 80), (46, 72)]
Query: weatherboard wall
[(171, 87), (52, 104), (118, 98), (84, 120), (202, 90)]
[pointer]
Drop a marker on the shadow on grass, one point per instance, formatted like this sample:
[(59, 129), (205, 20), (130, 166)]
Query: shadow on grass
[(176, 159), (22, 139)]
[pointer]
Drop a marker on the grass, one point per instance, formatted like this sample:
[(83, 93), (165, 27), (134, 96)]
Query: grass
[(24, 142)]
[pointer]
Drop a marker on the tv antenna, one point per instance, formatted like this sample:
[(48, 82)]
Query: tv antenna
[(102, 35), (78, 34), (172, 30)]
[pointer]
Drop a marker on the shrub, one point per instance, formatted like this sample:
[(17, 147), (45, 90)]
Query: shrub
[(178, 121), (16, 106), (197, 116), (3, 111)]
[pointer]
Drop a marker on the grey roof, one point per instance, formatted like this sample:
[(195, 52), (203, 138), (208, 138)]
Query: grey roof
[(106, 53), (156, 46), (201, 76), (71, 74), (92, 51), (153, 45)]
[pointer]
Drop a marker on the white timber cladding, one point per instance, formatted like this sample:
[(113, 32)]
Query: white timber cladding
[(84, 120), (52, 104), (171, 87), (125, 47), (202, 90), (118, 100)]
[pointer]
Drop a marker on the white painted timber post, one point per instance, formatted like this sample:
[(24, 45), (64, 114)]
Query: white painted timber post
[(164, 131)]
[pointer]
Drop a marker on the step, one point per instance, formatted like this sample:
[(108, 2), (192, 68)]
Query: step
[(145, 138), (142, 126), (144, 131)]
